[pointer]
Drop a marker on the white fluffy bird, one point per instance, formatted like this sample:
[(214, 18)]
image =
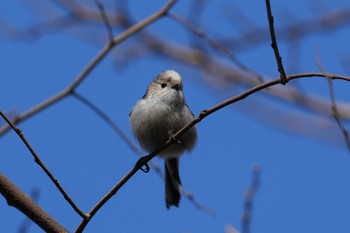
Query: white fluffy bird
[(160, 113)]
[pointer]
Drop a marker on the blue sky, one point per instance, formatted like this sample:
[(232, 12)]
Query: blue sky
[(303, 181)]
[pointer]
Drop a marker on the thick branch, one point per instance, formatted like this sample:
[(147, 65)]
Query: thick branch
[(16, 198)]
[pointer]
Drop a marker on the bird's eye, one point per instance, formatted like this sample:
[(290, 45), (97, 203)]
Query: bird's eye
[(163, 85)]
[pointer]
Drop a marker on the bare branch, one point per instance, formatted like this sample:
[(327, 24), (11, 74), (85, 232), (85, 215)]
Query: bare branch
[(196, 204), (16, 198), (105, 20), (25, 225), (253, 90), (114, 190), (42, 165), (109, 121), (249, 197), (274, 44), (334, 107)]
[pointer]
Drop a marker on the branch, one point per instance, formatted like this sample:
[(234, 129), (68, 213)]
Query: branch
[(274, 44), (42, 165), (105, 19), (248, 198), (109, 121), (16, 198), (337, 115), (335, 112), (25, 225), (196, 204)]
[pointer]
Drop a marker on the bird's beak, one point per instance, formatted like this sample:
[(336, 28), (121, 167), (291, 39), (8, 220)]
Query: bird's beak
[(177, 87)]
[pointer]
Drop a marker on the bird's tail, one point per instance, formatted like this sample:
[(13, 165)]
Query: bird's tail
[(172, 182)]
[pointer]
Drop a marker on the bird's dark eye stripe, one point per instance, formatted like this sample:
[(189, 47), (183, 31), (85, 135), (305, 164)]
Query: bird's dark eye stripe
[(163, 85)]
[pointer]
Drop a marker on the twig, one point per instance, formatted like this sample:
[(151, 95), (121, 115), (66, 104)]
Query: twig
[(144, 160), (42, 165), (334, 107), (196, 204), (105, 20), (249, 197), (109, 121), (274, 44), (337, 115), (15, 197)]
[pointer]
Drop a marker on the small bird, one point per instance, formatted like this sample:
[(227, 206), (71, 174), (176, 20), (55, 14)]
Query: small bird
[(160, 113)]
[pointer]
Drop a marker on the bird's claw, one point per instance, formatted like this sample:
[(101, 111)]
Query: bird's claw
[(173, 139)]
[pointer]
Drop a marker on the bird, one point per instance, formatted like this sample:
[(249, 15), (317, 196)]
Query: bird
[(155, 118)]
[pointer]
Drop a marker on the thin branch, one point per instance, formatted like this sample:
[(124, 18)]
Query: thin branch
[(274, 44), (42, 165), (337, 115), (141, 25), (115, 128), (142, 162), (253, 90), (249, 197), (334, 107), (109, 121), (105, 19), (16, 198), (196, 204)]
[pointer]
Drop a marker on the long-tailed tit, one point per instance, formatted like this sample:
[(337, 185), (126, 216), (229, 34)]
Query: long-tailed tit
[(160, 113)]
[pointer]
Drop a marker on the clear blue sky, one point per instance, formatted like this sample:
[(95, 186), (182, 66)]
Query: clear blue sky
[(304, 182)]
